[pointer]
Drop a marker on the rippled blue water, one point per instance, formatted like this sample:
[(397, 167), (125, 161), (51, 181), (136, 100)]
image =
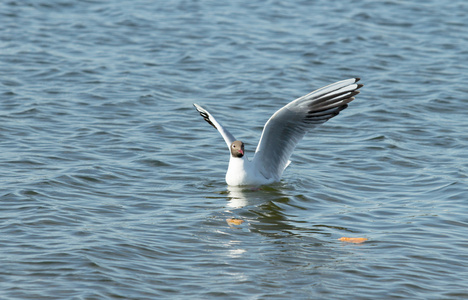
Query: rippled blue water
[(112, 186)]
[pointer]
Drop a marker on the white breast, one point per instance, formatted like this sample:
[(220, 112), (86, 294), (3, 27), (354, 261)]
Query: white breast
[(241, 171)]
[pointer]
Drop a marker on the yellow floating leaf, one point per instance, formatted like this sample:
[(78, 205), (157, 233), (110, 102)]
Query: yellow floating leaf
[(234, 221), (352, 240)]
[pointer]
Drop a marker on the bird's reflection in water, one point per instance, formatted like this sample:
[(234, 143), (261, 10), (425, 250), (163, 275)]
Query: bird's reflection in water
[(274, 211), (239, 196)]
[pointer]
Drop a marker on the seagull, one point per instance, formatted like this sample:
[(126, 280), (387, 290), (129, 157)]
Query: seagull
[(282, 132)]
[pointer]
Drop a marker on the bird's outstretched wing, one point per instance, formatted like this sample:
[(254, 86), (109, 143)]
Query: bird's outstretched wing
[(288, 125), (227, 136)]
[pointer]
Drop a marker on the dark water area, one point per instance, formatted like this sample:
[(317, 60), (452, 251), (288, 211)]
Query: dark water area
[(112, 186)]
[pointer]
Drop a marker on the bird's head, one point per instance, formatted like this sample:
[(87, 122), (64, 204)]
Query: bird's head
[(237, 149)]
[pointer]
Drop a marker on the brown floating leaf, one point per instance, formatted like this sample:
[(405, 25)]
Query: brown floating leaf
[(234, 221), (353, 240)]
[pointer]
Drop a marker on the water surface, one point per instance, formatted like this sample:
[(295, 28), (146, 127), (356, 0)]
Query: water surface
[(112, 186)]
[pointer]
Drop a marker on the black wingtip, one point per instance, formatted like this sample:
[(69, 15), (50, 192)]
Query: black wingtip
[(204, 114), (196, 106)]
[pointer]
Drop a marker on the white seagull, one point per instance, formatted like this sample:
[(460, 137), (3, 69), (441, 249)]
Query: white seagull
[(282, 132)]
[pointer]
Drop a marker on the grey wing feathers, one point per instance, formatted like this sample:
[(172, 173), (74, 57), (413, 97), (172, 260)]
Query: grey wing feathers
[(288, 125)]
